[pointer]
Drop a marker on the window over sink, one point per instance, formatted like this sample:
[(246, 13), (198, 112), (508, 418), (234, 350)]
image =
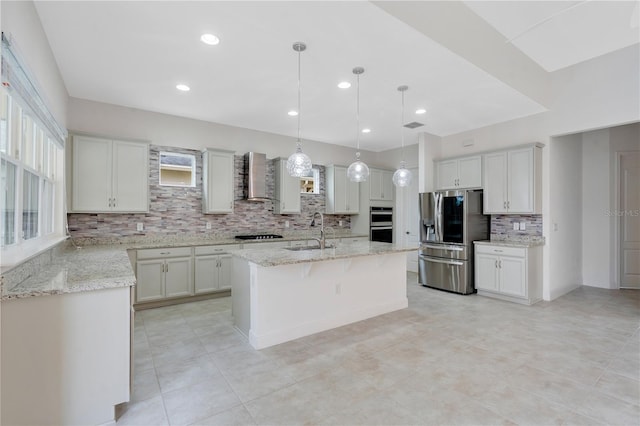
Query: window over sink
[(177, 169), (310, 184)]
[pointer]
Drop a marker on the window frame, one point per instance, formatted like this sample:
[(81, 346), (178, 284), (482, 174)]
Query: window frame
[(316, 181), (178, 154)]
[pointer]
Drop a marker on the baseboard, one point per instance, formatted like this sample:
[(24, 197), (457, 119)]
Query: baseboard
[(179, 300), (555, 293)]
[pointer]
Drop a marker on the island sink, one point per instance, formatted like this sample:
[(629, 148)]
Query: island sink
[(307, 248)]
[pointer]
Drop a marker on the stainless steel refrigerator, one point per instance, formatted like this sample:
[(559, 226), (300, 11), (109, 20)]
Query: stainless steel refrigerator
[(449, 223)]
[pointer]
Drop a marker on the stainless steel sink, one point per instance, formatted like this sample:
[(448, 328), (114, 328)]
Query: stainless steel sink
[(304, 248)]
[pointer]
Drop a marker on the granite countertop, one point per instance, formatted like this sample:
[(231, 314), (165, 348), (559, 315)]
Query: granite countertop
[(344, 250), (512, 242), (104, 263), (78, 270)]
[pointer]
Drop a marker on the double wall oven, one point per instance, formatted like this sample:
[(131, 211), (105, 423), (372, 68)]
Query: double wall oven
[(450, 222), (381, 224)]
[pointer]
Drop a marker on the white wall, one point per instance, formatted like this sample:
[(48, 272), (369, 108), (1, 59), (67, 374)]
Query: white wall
[(596, 191), (566, 217), (168, 130)]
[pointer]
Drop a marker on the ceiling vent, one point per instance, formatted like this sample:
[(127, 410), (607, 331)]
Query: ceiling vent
[(413, 125)]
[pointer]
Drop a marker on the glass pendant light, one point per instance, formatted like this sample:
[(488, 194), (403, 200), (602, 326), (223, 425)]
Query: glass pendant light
[(402, 176), (358, 171), (299, 163)]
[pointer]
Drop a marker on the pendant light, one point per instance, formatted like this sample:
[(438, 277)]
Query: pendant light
[(358, 171), (299, 163), (402, 176)]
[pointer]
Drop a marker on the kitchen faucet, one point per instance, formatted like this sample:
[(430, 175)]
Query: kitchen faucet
[(320, 240)]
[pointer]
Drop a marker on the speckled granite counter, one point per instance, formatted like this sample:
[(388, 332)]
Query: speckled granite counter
[(282, 256), (104, 263), (78, 270), (511, 242)]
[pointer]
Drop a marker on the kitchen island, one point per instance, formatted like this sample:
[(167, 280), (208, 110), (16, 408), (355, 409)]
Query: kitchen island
[(283, 294)]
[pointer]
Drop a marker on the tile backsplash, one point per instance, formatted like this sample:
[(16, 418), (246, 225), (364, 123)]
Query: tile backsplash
[(502, 225), (175, 210)]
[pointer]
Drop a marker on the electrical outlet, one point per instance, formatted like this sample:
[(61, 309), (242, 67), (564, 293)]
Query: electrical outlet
[(523, 226), (208, 225), (338, 288), (340, 223), (286, 223), (516, 226), (140, 226), (555, 226)]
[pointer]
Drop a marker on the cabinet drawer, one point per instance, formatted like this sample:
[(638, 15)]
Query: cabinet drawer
[(164, 252), (501, 250), (219, 249), (350, 240)]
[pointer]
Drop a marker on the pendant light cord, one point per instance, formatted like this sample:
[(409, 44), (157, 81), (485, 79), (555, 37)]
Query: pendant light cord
[(358, 117), (402, 125), (299, 97)]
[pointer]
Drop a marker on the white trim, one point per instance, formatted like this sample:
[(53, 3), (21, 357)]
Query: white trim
[(14, 255)]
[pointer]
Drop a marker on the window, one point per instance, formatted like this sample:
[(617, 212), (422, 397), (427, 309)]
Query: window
[(177, 169), (27, 202), (310, 184)]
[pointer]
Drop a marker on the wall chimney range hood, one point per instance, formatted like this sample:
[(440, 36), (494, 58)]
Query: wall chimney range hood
[(255, 170)]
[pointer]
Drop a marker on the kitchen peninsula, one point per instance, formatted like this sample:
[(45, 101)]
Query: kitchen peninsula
[(283, 294)]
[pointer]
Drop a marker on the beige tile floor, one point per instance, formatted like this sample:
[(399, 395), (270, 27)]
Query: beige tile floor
[(447, 359)]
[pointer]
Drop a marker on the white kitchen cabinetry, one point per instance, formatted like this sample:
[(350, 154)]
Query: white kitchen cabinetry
[(213, 268), (287, 189), (109, 175), (217, 181), (459, 173), (343, 196), (381, 185), (513, 181), (163, 274), (509, 273)]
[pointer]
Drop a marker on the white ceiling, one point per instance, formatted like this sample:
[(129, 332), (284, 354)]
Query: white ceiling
[(134, 53)]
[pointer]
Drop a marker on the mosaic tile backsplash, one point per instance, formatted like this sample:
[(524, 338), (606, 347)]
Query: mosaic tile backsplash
[(178, 211), (502, 225)]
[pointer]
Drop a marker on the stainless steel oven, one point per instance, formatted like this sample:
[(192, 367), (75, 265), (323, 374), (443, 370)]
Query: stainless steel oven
[(381, 224)]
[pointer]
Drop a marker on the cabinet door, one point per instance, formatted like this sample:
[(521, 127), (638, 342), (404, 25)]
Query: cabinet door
[(495, 183), (177, 277), (206, 274), (287, 190), (486, 272), (446, 174), (340, 189), (130, 191), (386, 184), (224, 272), (91, 174), (149, 280), (470, 172), (352, 203), (520, 190), (218, 183), (513, 276)]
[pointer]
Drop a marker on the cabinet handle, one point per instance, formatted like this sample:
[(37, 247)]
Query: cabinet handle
[(162, 267), (508, 205), (496, 263), (500, 264), (166, 269), (114, 202), (497, 251), (165, 252), (504, 205)]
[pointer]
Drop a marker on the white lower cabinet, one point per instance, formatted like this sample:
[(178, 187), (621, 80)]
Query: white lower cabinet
[(212, 268), (163, 274), (510, 273)]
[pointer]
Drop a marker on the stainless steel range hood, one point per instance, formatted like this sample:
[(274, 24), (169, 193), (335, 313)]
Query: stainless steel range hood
[(255, 169)]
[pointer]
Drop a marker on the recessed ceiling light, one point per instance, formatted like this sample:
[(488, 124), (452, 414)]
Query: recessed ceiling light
[(366, 130), (209, 39), (293, 113), (183, 87), (421, 111), (344, 85)]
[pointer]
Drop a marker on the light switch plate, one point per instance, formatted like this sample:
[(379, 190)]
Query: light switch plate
[(523, 226), (140, 226), (340, 223), (208, 225), (516, 226), (286, 223)]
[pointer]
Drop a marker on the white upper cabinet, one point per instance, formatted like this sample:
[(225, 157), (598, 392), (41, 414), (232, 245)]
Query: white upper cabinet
[(287, 189), (343, 196), (513, 181), (381, 185), (109, 175), (459, 173), (217, 181)]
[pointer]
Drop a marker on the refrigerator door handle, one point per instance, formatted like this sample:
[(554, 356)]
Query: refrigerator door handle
[(446, 262), (441, 247)]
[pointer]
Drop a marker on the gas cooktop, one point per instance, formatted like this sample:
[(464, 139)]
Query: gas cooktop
[(258, 237)]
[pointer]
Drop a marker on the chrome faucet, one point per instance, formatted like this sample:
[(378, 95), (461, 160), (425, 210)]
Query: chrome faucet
[(320, 240)]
